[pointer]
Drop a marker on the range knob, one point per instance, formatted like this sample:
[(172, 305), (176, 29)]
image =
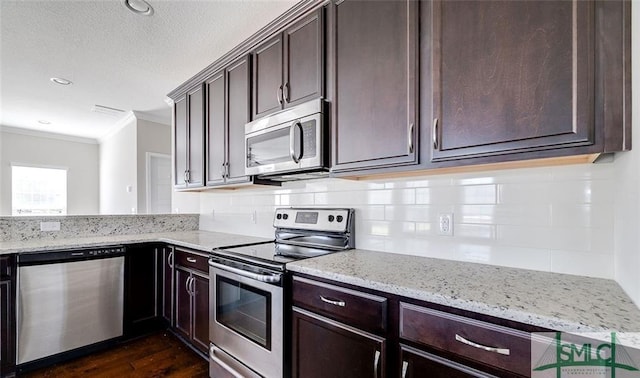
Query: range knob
[(279, 216), (339, 218), (285, 216), (331, 218)]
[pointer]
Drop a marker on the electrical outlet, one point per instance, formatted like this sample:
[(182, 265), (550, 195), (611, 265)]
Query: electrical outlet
[(49, 226), (254, 217), (445, 224)]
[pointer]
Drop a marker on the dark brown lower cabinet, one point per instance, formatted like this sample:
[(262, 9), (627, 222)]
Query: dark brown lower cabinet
[(416, 363), (7, 344), (403, 338), (326, 348), (192, 307), (142, 290), (7, 316), (166, 255)]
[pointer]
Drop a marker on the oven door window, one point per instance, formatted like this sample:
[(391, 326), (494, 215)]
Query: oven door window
[(274, 146), (244, 309)]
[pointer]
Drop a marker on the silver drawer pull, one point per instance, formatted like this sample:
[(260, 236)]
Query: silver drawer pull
[(333, 302), (191, 259), (405, 366), (503, 351)]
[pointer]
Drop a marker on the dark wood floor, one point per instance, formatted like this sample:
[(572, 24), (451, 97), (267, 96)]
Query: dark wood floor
[(157, 355)]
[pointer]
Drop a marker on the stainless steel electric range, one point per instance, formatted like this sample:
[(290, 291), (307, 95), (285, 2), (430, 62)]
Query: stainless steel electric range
[(247, 293)]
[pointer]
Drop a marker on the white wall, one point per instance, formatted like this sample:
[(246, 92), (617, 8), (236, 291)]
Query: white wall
[(79, 156), (627, 177), (118, 170), (151, 137)]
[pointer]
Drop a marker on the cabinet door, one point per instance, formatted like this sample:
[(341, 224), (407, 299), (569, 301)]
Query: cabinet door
[(239, 109), (183, 303), (167, 284), (304, 60), (141, 283), (180, 142), (375, 77), (324, 348), (200, 312), (414, 364), (215, 131), (267, 77), (7, 331), (195, 105), (508, 83)]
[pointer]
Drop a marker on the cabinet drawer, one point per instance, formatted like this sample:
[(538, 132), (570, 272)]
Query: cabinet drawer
[(510, 348), (361, 310), (6, 266), (193, 261)]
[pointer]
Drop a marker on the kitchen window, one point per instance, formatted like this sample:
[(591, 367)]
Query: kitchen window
[(38, 191)]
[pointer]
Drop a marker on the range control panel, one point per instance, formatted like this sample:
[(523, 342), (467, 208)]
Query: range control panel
[(334, 220)]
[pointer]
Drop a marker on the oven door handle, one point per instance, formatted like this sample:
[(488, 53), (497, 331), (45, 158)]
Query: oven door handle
[(267, 278)]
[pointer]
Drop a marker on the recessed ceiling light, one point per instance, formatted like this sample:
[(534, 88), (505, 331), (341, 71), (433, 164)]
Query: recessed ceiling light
[(138, 7), (61, 81), (44, 122)]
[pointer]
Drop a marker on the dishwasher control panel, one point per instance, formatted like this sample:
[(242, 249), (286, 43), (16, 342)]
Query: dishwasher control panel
[(45, 257)]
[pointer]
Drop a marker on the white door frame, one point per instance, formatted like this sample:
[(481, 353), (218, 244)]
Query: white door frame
[(148, 157)]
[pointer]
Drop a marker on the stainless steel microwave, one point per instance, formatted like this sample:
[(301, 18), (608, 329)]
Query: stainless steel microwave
[(287, 144)]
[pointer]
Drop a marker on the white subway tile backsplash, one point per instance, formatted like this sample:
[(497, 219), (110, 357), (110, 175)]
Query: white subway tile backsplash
[(538, 218), (477, 194), (588, 264)]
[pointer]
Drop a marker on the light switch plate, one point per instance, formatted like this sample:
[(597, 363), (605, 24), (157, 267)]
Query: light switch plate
[(49, 226)]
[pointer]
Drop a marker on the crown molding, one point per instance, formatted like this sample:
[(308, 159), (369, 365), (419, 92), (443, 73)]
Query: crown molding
[(152, 118), (117, 127), (48, 135)]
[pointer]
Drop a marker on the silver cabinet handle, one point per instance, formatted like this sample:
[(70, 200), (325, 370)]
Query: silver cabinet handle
[(285, 93), (185, 176), (222, 170), (268, 277), (187, 285), (411, 127), (292, 141), (191, 260), (435, 134), (376, 362), (405, 366), (192, 286), (279, 95), (333, 302), (502, 351), (170, 259)]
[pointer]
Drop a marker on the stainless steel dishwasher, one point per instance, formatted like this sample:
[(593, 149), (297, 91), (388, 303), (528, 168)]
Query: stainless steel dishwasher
[(68, 299)]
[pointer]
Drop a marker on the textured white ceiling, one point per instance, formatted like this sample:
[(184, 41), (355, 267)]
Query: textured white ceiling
[(114, 57)]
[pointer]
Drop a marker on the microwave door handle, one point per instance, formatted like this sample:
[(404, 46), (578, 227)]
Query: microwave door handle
[(292, 141)]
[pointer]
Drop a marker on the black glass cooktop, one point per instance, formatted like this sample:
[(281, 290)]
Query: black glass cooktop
[(272, 254)]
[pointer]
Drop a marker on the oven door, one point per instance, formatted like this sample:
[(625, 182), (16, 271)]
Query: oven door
[(246, 315), (292, 146)]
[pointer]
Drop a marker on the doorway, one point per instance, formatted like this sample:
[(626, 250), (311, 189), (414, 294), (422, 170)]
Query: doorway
[(158, 183)]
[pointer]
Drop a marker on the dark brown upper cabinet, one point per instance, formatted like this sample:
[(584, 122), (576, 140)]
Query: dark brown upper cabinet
[(189, 139), (228, 97), (520, 79), (374, 104), (288, 68)]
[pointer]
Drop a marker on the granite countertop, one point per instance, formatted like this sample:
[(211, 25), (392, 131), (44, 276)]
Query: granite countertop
[(555, 301), (204, 241)]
